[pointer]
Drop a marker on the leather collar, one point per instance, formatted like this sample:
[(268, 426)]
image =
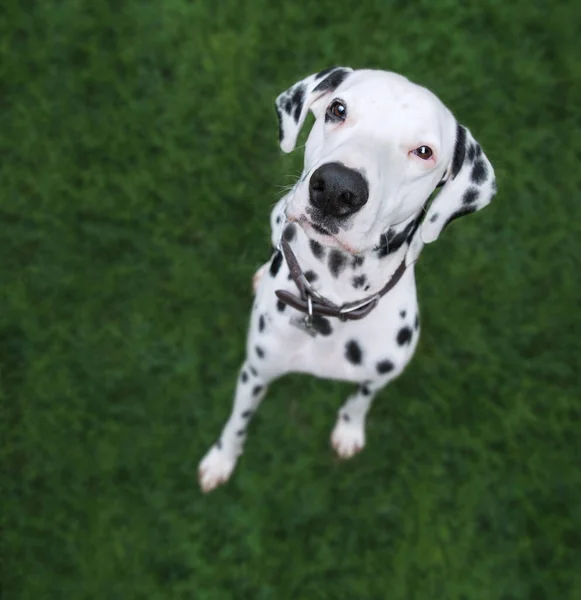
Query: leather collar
[(311, 303)]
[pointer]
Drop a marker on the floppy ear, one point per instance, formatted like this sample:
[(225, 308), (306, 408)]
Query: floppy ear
[(470, 186), (293, 105)]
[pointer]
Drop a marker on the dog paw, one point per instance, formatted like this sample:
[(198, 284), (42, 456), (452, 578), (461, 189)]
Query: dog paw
[(347, 438), (257, 277), (215, 469)]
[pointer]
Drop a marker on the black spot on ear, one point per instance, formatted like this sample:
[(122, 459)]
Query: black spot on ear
[(478, 151), (353, 352), (280, 306), (336, 262), (261, 323), (357, 261), (288, 105), (253, 371), (471, 152), (324, 72), (404, 336), (316, 248), (417, 322), (470, 195), (459, 150), (322, 325), (479, 172), (332, 81), (275, 263), (385, 366), (280, 132), (259, 352), (289, 232), (346, 417), (311, 276), (434, 218), (257, 389), (466, 210), (402, 314), (247, 414), (298, 99), (359, 281), (244, 377)]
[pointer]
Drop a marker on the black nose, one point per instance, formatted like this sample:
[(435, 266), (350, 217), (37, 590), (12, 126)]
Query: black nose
[(337, 191)]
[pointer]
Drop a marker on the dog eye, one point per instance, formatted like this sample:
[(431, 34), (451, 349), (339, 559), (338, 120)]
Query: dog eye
[(337, 110), (424, 152)]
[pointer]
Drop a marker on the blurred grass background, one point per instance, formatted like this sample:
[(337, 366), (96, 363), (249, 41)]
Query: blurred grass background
[(139, 163)]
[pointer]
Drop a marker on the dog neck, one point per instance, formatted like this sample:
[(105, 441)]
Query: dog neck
[(343, 277)]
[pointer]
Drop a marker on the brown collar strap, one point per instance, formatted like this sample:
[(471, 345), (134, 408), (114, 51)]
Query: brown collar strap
[(312, 303)]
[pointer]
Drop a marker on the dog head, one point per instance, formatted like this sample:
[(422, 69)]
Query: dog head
[(378, 149)]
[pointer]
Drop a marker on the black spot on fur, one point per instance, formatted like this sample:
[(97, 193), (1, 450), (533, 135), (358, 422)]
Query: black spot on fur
[(478, 151), (247, 414), (471, 154), (332, 81), (288, 105), (364, 389), (391, 241), (256, 390), (322, 325), (353, 352), (259, 352), (289, 232), (316, 248), (367, 287), (417, 322), (479, 172), (275, 263), (434, 218), (261, 323), (459, 150), (402, 314), (336, 262), (244, 377), (404, 336), (298, 100), (278, 219), (241, 432), (359, 281), (467, 210), (311, 276), (324, 72), (280, 132), (357, 261), (346, 417), (470, 195), (280, 306), (384, 367), (253, 371)]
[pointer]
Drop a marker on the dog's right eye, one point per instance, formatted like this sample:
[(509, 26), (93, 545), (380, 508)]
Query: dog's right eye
[(337, 111)]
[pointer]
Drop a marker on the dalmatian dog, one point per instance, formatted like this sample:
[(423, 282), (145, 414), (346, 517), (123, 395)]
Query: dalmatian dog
[(386, 168)]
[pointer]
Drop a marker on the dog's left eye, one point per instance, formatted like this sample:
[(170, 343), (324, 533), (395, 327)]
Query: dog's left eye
[(424, 152), (337, 110)]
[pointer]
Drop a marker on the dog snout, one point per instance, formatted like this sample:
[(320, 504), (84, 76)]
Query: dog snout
[(337, 191)]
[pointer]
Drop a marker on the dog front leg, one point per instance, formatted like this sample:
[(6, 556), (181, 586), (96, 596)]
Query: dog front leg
[(218, 464)]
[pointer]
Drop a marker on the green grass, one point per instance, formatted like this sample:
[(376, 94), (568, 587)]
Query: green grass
[(139, 164)]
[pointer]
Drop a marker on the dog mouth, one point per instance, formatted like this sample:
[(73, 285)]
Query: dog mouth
[(314, 230)]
